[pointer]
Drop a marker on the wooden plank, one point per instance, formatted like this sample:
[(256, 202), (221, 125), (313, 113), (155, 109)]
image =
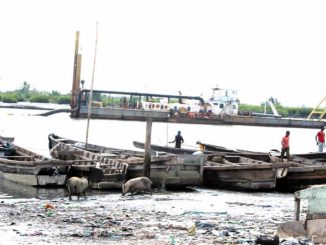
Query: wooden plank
[(18, 156), (69, 152)]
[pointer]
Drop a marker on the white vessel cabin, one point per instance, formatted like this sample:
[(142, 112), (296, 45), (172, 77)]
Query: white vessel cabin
[(222, 101)]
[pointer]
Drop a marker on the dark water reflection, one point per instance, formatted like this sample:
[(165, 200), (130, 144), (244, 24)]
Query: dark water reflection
[(23, 191)]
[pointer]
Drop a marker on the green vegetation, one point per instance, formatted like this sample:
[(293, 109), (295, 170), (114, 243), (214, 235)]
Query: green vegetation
[(293, 112), (26, 94), (282, 110)]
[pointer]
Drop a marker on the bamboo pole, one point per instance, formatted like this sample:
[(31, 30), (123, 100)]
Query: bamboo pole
[(91, 93)]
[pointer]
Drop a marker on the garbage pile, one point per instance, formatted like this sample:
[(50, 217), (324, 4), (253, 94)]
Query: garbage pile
[(200, 217)]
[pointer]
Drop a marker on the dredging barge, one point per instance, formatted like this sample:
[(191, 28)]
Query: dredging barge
[(221, 108), (185, 109)]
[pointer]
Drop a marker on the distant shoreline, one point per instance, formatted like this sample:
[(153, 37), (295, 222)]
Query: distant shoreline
[(25, 107), (33, 106)]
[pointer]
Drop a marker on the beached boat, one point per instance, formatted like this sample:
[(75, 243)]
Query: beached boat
[(318, 156), (309, 172), (166, 170), (242, 173), (29, 168), (228, 169), (302, 171), (102, 172)]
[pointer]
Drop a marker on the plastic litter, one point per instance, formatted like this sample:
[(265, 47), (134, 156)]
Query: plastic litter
[(192, 230)]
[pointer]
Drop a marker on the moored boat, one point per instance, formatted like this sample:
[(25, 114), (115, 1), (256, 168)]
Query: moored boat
[(318, 156), (23, 166), (102, 172), (166, 170), (309, 172), (302, 171), (242, 173)]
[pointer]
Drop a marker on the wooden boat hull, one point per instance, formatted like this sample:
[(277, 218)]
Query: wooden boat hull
[(303, 173), (242, 173), (28, 168), (102, 172), (174, 172), (318, 156), (240, 179), (247, 178), (299, 178), (36, 180), (166, 170)]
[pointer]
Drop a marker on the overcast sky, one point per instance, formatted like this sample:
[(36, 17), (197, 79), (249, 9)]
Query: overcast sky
[(260, 48)]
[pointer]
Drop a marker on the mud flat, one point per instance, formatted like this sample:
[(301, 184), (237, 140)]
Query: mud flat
[(202, 216)]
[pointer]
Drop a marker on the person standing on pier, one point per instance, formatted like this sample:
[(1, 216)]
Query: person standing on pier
[(320, 139), (285, 146), (178, 140)]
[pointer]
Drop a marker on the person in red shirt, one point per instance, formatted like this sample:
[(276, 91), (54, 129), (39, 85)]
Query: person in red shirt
[(320, 139), (285, 146)]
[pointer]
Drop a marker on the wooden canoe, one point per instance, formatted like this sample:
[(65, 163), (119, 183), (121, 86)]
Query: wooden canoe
[(303, 170), (319, 156), (242, 173), (29, 168), (166, 169), (102, 172)]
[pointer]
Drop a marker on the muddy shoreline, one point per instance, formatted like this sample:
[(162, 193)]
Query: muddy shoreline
[(202, 216)]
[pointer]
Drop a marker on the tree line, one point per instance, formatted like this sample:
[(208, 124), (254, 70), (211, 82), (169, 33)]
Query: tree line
[(293, 112), (26, 94)]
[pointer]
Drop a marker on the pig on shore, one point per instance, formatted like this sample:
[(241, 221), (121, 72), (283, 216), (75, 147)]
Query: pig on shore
[(77, 186), (140, 184)]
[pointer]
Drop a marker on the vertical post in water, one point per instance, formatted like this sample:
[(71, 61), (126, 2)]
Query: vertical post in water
[(297, 205), (75, 73), (147, 158)]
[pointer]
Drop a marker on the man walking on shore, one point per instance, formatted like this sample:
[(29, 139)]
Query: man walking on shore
[(285, 146), (320, 139)]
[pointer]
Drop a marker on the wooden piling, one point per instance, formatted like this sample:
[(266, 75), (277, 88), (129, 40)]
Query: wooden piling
[(147, 158), (296, 206), (75, 82)]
